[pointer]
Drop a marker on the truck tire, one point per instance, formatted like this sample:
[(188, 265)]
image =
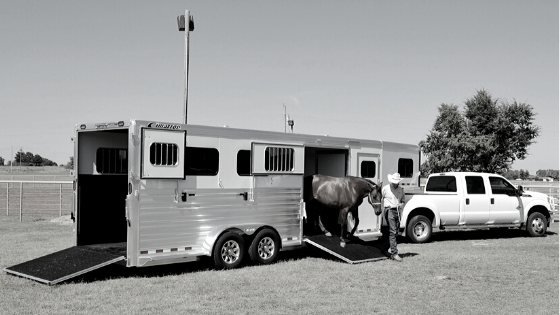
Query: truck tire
[(229, 251), (536, 224), (419, 229), (265, 247)]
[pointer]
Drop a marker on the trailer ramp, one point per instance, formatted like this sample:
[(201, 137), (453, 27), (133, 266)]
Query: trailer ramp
[(65, 264), (354, 252)]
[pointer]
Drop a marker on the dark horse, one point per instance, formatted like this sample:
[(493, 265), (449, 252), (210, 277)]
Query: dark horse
[(343, 193)]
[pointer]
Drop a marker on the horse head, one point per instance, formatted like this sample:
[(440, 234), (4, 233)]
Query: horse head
[(374, 198)]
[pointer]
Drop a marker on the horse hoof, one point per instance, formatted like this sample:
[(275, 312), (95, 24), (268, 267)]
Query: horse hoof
[(328, 234), (342, 244)]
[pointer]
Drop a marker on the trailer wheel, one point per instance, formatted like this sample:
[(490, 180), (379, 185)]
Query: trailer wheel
[(536, 224), (419, 229), (264, 248), (229, 251)]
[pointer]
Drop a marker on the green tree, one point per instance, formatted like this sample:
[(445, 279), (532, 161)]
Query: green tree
[(70, 164), (487, 137), (1, 160), (37, 160)]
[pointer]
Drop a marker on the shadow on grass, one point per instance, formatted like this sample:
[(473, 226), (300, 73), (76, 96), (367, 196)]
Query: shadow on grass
[(483, 234), (116, 271)]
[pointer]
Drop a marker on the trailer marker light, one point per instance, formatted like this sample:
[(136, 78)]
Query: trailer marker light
[(144, 252), (83, 126), (74, 185), (129, 188), (120, 123)]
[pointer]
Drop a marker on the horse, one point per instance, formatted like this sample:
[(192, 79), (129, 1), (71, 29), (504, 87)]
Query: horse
[(343, 193)]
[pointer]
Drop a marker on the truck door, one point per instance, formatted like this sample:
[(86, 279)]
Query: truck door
[(163, 154), (477, 201), (505, 206)]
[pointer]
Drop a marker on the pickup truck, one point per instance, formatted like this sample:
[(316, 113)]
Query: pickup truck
[(468, 200)]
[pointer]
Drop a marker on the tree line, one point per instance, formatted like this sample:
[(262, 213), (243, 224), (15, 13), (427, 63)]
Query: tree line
[(28, 159)]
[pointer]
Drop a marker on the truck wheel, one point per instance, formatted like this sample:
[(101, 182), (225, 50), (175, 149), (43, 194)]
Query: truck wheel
[(264, 248), (419, 229), (536, 224), (229, 251)]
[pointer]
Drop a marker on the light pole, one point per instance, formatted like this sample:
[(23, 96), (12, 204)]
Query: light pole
[(186, 24)]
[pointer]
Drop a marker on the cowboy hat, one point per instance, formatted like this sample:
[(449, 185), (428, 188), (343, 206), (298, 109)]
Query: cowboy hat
[(394, 178)]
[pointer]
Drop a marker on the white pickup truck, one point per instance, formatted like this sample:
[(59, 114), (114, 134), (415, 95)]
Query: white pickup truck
[(465, 200)]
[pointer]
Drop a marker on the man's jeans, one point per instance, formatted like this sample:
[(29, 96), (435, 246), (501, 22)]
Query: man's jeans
[(392, 219)]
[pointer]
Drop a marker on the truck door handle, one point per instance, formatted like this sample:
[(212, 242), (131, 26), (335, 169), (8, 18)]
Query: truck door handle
[(492, 200), (245, 195), (468, 201)]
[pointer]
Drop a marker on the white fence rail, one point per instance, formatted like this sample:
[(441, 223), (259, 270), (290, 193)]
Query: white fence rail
[(35, 197)]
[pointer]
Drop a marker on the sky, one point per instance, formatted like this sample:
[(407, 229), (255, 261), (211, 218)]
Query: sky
[(362, 69)]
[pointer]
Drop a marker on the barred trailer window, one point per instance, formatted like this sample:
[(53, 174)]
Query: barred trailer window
[(163, 154), (279, 159), (111, 161)]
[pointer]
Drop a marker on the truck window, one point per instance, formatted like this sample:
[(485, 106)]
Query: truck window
[(405, 167), (442, 184), (244, 162), (202, 161), (500, 186), (475, 185), (111, 161), (367, 169)]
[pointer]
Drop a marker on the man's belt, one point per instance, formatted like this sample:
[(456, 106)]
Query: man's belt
[(388, 208)]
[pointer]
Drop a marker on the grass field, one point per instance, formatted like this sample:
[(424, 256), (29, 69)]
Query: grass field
[(460, 272)]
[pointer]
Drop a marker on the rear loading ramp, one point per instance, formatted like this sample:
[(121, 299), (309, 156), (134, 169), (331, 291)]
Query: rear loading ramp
[(353, 253), (65, 264)]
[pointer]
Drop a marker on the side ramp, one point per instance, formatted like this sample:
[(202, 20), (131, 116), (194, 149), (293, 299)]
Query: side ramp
[(65, 264), (354, 252)]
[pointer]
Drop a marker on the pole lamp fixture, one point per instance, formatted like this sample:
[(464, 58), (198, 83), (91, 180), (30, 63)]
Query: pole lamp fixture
[(186, 24)]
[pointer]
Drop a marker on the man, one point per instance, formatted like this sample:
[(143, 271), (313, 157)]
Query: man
[(393, 200)]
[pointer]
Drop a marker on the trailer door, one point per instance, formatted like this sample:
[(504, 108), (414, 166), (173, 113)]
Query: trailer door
[(370, 224), (163, 154), (277, 187)]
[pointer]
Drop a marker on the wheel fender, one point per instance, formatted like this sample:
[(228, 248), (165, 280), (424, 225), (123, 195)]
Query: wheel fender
[(416, 204), (210, 240)]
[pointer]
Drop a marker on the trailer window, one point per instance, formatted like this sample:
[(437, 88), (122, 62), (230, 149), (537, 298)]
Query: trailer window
[(202, 161), (163, 154), (442, 184), (111, 161), (405, 167), (279, 159), (244, 162), (367, 169)]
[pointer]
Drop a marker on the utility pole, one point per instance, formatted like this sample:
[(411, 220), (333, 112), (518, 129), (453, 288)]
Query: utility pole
[(186, 24), (285, 118)]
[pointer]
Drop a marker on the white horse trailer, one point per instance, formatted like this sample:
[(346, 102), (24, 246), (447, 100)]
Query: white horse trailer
[(153, 193)]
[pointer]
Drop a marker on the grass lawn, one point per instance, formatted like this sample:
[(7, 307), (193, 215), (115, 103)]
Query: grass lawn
[(459, 272)]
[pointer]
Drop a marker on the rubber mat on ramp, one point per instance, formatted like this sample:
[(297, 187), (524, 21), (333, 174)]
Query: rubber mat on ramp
[(63, 265), (354, 252)]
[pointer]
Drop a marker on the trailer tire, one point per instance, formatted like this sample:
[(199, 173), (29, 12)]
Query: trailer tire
[(536, 224), (264, 247), (419, 229), (229, 251)]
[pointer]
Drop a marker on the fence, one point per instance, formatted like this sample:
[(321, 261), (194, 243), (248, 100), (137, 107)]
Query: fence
[(35, 197)]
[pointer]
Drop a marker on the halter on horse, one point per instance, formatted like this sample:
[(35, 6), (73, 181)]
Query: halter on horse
[(343, 193)]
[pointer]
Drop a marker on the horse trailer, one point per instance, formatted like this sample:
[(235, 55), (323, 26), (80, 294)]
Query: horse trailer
[(150, 193)]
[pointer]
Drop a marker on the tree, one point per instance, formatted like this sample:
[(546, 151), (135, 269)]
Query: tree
[(70, 164), (37, 160), (487, 138), (1, 160), (548, 173)]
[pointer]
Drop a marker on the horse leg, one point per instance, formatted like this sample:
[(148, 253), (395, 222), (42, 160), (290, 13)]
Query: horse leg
[(327, 233), (344, 217)]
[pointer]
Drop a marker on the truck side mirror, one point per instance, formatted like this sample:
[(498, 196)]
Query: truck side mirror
[(519, 191)]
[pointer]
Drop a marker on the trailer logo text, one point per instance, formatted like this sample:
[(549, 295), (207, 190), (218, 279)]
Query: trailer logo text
[(164, 126)]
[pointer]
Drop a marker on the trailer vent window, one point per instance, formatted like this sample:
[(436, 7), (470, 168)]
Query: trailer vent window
[(111, 161), (367, 169), (405, 167), (163, 154), (244, 162), (279, 159)]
